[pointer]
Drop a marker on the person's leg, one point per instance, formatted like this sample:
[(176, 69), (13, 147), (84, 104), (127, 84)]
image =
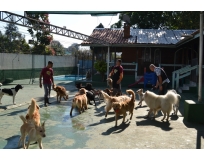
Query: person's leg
[(45, 93), (49, 92), (115, 88), (164, 88)]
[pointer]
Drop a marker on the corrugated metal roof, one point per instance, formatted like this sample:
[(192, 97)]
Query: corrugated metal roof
[(138, 36)]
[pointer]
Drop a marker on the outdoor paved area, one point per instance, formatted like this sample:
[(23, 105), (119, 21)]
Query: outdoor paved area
[(91, 130)]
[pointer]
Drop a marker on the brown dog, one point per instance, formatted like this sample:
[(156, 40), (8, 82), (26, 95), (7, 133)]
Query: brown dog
[(33, 113), (61, 92), (80, 100), (35, 133), (124, 106)]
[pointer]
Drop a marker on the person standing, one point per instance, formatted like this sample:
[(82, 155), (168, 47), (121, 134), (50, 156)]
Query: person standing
[(117, 76), (162, 79), (47, 74)]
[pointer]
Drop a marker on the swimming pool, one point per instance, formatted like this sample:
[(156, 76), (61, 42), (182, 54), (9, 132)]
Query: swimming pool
[(68, 77)]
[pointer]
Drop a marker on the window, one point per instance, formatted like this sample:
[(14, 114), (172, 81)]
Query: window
[(147, 55), (157, 56)]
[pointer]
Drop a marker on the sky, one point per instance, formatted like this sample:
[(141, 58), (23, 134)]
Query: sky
[(80, 23)]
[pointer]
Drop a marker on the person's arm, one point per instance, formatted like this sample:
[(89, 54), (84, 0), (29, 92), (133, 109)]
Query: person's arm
[(160, 82), (111, 73), (40, 82), (52, 79), (121, 76)]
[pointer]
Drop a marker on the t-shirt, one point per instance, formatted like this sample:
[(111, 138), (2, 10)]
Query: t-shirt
[(160, 71), (116, 72), (47, 73)]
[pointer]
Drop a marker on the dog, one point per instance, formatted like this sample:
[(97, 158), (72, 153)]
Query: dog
[(61, 92), (176, 106), (124, 106), (33, 113), (35, 133), (109, 82), (110, 92), (109, 100), (160, 102), (89, 87), (140, 95), (10, 92), (80, 100)]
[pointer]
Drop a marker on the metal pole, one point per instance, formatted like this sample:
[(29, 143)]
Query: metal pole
[(200, 55), (108, 60)]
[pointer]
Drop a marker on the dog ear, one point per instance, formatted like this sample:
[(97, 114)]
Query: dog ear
[(37, 106), (43, 124)]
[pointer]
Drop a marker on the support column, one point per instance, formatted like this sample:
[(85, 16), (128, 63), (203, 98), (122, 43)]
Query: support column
[(200, 55), (108, 60)]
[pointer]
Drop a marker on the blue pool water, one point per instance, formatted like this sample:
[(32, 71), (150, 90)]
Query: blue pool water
[(68, 77)]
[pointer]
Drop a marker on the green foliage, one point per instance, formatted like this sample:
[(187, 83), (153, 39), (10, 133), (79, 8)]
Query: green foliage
[(57, 48), (161, 20), (100, 66), (40, 33)]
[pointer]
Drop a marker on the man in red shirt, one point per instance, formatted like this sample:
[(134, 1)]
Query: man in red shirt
[(117, 75), (47, 74)]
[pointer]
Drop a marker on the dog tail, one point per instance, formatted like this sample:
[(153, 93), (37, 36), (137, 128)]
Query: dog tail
[(172, 97), (105, 95), (129, 91), (23, 119), (32, 107)]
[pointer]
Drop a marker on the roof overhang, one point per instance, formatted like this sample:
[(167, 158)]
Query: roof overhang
[(132, 45), (92, 13)]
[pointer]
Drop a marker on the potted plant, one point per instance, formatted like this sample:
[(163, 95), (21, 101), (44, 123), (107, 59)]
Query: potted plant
[(101, 67)]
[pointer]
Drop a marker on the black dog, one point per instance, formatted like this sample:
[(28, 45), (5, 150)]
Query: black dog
[(10, 92), (91, 92)]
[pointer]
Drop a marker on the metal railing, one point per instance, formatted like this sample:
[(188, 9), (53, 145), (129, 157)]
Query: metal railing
[(181, 73)]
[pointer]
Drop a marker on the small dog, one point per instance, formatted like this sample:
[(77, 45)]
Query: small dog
[(109, 100), (10, 92), (80, 100), (35, 133), (140, 95), (61, 92), (160, 102), (124, 106), (33, 113), (110, 92), (109, 83), (176, 106)]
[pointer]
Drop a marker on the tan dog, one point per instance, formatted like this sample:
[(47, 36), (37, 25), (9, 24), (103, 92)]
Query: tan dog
[(140, 95), (80, 100), (124, 106), (109, 82), (35, 133), (33, 112), (61, 92), (109, 100)]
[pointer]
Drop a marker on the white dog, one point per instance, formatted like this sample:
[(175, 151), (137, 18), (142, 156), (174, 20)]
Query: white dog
[(176, 106), (160, 102)]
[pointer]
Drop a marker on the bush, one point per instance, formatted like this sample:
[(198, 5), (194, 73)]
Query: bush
[(100, 66)]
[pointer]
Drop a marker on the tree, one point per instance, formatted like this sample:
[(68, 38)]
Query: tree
[(57, 47), (40, 33), (73, 48), (12, 31), (161, 20)]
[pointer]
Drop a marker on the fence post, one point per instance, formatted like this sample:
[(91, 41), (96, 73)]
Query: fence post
[(173, 79), (177, 81)]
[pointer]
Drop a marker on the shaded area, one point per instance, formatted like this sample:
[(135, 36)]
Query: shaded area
[(163, 125)]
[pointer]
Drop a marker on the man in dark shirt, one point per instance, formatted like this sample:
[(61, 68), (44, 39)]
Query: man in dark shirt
[(47, 74), (117, 75), (162, 79)]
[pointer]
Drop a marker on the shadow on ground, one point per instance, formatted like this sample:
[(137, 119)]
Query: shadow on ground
[(148, 122)]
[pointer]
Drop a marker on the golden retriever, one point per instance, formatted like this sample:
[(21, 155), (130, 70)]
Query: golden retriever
[(80, 100), (124, 106), (33, 112), (61, 92), (35, 133), (109, 100)]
